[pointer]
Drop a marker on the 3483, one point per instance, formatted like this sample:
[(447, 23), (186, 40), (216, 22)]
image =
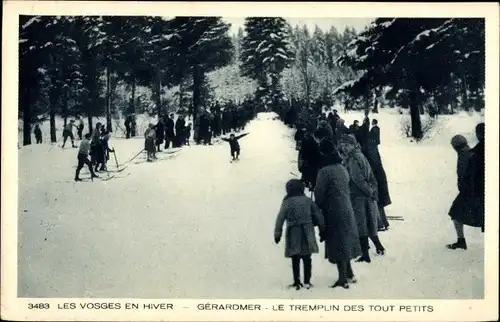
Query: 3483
[(38, 306)]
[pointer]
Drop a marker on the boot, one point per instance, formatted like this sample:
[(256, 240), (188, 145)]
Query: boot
[(460, 244), (365, 255), (378, 245)]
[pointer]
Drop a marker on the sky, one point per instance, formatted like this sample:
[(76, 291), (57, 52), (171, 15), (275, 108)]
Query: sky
[(324, 23)]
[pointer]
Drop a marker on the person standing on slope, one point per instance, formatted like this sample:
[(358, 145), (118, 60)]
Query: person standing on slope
[(38, 134), (364, 196), (332, 195), (68, 133), (309, 158), (468, 206), (234, 145), (301, 215), (372, 154), (80, 128), (83, 153), (149, 143)]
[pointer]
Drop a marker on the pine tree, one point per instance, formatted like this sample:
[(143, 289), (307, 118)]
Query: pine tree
[(265, 54)]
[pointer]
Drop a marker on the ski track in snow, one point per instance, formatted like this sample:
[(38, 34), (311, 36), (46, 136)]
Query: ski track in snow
[(198, 226)]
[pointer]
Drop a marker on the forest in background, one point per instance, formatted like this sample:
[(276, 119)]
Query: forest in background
[(115, 66)]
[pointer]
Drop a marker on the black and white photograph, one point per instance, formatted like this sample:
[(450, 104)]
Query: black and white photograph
[(251, 157)]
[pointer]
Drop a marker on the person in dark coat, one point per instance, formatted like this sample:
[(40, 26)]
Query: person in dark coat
[(160, 132), (354, 127), (128, 126), (179, 131), (364, 195), (458, 210), (309, 158), (476, 174), (38, 134), (341, 130), (299, 135), (372, 154), (362, 134), (301, 215), (169, 131), (80, 127), (468, 206), (333, 197)]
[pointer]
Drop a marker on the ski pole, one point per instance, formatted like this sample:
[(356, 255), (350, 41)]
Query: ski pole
[(134, 157), (55, 143), (116, 160)]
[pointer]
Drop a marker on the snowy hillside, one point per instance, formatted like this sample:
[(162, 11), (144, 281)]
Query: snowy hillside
[(194, 225)]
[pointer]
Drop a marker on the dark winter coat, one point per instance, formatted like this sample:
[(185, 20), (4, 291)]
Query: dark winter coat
[(374, 135), (233, 142), (333, 197), (309, 158), (300, 213), (468, 206), (364, 193), (160, 131), (372, 154), (169, 128)]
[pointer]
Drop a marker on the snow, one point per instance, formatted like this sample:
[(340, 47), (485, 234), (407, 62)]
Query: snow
[(196, 226), (31, 21)]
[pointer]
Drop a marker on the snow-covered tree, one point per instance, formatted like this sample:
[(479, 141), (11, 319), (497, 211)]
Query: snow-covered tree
[(265, 54)]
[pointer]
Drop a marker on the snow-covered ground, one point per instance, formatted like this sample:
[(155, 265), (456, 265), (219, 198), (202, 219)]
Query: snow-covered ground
[(197, 226)]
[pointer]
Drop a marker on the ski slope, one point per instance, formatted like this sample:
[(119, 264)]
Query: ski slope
[(197, 226)]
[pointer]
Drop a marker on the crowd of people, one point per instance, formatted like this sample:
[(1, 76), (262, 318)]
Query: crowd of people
[(342, 168), (210, 123)]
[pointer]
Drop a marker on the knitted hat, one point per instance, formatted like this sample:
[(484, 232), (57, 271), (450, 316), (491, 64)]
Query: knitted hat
[(458, 141), (348, 139), (294, 187)]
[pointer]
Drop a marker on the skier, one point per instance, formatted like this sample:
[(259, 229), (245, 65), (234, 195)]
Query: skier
[(234, 145), (332, 196), (68, 133), (105, 135), (149, 143), (80, 127), (301, 215), (364, 196), (83, 153), (38, 134)]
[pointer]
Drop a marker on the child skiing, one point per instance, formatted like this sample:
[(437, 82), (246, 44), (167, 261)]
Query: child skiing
[(301, 215), (83, 153), (149, 144), (234, 145)]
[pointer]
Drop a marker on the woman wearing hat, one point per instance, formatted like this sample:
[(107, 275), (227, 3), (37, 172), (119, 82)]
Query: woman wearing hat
[(332, 196)]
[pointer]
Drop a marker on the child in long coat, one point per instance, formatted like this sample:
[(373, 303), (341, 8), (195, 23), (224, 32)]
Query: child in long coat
[(301, 215), (459, 209)]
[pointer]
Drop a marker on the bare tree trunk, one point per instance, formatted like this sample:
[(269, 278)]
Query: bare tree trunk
[(25, 101), (197, 83), (108, 100), (416, 124)]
